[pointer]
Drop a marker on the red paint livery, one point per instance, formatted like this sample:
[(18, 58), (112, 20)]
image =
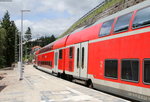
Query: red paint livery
[(112, 55)]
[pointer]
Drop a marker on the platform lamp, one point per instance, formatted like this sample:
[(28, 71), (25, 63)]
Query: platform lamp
[(20, 65)]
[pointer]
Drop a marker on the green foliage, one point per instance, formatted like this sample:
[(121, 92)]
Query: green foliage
[(5, 23), (44, 41), (28, 34), (2, 47), (28, 45), (2, 40), (11, 30), (28, 58)]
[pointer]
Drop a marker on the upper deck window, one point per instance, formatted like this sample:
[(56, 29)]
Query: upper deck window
[(142, 18), (106, 28), (122, 23)]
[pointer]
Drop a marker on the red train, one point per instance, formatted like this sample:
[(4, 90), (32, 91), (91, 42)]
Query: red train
[(111, 55)]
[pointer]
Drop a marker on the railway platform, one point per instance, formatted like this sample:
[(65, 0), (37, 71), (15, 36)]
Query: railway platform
[(38, 86)]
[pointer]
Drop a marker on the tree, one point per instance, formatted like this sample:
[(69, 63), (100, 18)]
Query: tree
[(28, 34), (5, 23), (11, 31), (27, 46), (42, 41), (2, 47), (52, 38)]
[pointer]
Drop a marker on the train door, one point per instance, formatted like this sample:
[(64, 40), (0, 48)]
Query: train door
[(56, 61), (77, 60), (83, 59), (81, 56)]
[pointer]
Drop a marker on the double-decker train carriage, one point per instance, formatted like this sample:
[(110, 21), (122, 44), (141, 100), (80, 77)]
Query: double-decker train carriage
[(112, 54)]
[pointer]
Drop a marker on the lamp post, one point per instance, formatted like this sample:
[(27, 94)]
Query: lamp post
[(20, 65)]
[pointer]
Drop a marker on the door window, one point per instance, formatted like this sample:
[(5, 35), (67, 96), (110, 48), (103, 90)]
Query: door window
[(60, 54), (78, 58), (82, 57), (56, 56), (71, 52)]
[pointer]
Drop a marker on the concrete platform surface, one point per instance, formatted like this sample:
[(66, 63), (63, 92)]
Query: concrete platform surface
[(38, 86)]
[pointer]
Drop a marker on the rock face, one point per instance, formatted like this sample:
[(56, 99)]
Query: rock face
[(107, 8)]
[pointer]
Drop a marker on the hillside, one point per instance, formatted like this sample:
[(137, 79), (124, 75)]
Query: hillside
[(106, 8)]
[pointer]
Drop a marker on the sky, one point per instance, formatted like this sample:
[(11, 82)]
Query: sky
[(47, 17)]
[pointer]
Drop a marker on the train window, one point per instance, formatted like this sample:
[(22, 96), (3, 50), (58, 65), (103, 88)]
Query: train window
[(147, 71), (122, 23), (130, 70), (142, 18), (83, 57), (78, 58), (60, 54), (111, 68), (71, 52), (106, 28)]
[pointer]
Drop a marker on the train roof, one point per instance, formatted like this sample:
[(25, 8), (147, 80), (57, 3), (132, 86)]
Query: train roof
[(47, 48), (83, 35), (91, 32), (60, 42)]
